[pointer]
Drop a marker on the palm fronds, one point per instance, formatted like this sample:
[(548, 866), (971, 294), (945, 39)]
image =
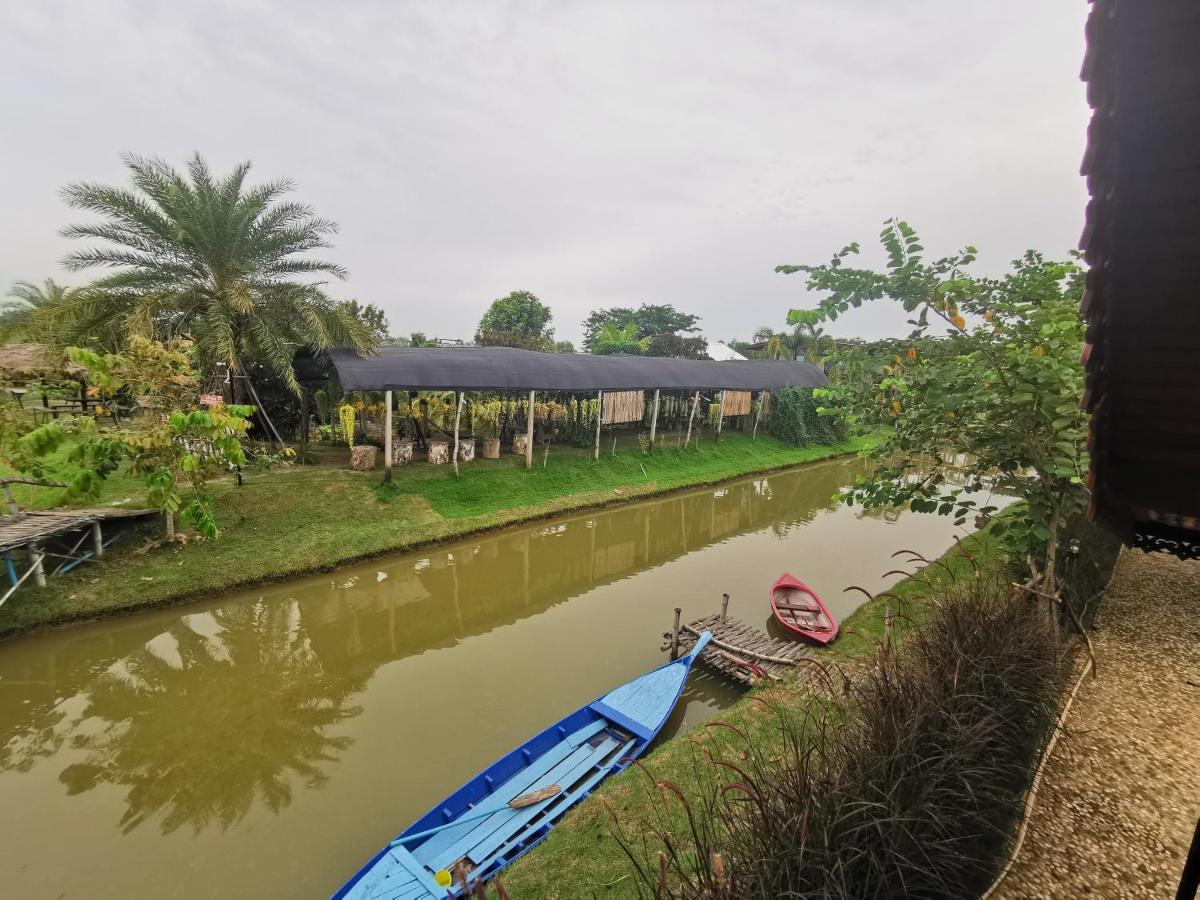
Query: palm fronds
[(205, 256)]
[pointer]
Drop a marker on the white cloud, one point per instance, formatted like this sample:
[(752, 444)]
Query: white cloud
[(595, 153)]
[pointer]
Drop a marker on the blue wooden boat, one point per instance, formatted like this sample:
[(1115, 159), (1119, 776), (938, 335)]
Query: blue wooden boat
[(476, 826)]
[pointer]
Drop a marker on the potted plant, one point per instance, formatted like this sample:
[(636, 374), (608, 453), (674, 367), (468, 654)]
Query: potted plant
[(486, 419), (362, 456)]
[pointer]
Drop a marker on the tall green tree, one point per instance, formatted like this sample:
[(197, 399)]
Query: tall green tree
[(998, 392), (649, 319), (372, 316), (613, 339), (518, 320), (24, 300), (206, 257)]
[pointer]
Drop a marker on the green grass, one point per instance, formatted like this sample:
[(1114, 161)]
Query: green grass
[(581, 858), (306, 518)]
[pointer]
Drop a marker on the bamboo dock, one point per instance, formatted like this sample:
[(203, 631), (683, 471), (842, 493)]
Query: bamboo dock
[(737, 651)]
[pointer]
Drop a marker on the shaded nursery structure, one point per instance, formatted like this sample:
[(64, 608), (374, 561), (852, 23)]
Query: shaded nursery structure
[(618, 382)]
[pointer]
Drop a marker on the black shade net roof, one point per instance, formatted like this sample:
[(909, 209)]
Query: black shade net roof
[(507, 368)]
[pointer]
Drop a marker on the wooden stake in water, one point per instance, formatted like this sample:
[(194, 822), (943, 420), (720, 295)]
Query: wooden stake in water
[(675, 635), (724, 607)]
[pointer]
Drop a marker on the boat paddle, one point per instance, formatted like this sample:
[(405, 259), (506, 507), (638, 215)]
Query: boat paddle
[(516, 803)]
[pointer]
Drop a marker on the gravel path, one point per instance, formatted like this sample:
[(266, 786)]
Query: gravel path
[(1120, 797)]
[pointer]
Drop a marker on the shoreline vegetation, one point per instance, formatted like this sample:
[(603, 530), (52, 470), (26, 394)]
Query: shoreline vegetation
[(299, 520), (582, 857)]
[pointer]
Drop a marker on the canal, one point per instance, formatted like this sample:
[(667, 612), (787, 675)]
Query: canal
[(266, 742)]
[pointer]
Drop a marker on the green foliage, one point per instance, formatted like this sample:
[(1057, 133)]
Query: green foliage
[(321, 401), (649, 319), (518, 320), (581, 421), (18, 309), (992, 403), (677, 346), (485, 418), (347, 415), (564, 347), (205, 256), (180, 447), (619, 339), (796, 421), (370, 315)]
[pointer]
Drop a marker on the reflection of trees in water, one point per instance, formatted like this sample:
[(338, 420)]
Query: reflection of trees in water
[(239, 717)]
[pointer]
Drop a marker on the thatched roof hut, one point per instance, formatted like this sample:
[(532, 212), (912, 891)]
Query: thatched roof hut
[(24, 362)]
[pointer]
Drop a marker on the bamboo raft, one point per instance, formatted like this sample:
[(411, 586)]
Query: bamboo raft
[(736, 644)]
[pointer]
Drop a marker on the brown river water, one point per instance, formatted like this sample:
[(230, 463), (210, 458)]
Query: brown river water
[(267, 742)]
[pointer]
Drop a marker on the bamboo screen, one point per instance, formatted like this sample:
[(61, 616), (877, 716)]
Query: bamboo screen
[(737, 403), (624, 406)]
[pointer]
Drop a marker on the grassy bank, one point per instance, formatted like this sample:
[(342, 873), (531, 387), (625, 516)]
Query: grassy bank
[(305, 518), (582, 859)]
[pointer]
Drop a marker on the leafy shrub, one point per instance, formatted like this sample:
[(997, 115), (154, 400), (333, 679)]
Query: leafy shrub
[(795, 420), (908, 788)]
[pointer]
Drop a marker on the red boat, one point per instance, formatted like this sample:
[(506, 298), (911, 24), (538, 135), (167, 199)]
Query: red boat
[(798, 609)]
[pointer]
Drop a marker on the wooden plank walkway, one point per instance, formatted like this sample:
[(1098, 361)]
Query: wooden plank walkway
[(35, 526), (735, 641)]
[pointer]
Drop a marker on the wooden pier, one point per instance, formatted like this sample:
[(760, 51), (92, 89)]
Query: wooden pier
[(737, 651)]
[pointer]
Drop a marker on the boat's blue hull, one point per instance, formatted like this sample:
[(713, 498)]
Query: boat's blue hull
[(576, 754)]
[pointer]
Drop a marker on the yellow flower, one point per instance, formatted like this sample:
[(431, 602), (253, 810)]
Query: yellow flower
[(912, 353), (1039, 351), (960, 322)]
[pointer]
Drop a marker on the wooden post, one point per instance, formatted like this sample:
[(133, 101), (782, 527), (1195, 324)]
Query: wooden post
[(758, 414), (529, 434), (387, 437), (675, 635), (654, 419), (39, 572), (97, 540), (599, 419), (720, 416), (724, 607), (457, 420), (695, 403)]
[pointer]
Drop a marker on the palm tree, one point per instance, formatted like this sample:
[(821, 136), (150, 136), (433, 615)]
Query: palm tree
[(209, 258), (24, 300), (613, 339)]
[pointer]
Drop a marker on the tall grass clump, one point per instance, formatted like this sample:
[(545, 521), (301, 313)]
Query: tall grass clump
[(907, 787), (795, 420)]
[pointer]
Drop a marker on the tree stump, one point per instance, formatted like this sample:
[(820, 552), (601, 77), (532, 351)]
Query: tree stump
[(439, 453), (362, 457), (520, 442), (402, 453), (466, 451), (491, 448)]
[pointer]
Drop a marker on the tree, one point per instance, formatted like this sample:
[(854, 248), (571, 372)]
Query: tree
[(1002, 387), (518, 320), (24, 300), (369, 315), (650, 320), (564, 347), (208, 258), (678, 346), (613, 339), (180, 446)]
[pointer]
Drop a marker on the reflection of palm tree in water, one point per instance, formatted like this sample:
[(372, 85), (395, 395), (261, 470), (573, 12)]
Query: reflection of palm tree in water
[(237, 718)]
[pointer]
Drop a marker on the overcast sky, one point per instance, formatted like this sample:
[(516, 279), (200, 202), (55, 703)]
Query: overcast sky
[(596, 153)]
